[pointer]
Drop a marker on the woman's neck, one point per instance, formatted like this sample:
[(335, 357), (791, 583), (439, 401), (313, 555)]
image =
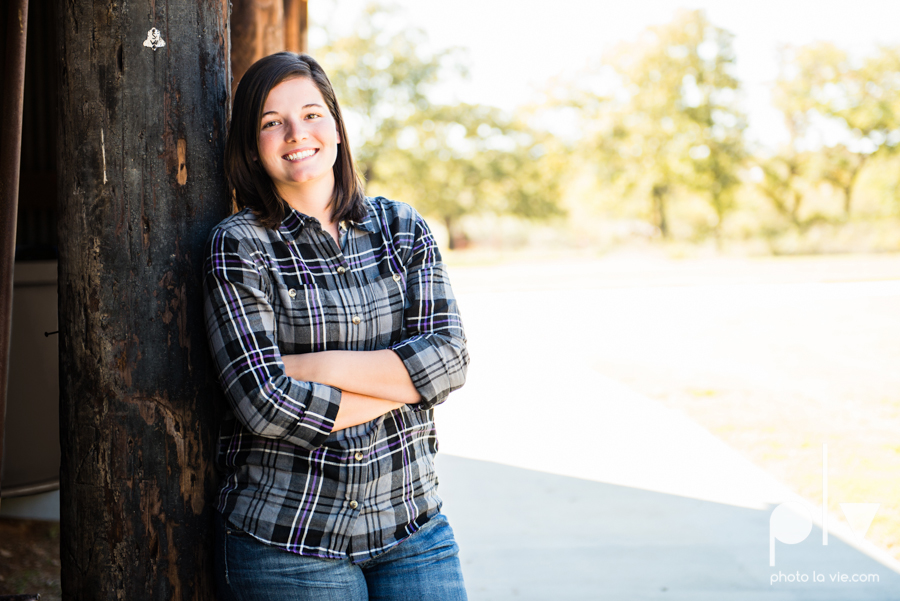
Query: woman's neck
[(312, 199)]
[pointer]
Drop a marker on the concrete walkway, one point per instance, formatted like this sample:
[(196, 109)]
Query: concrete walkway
[(564, 484)]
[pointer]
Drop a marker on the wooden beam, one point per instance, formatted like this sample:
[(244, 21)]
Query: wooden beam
[(257, 31), (10, 155), (296, 24), (143, 95)]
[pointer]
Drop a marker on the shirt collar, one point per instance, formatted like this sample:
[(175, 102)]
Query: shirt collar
[(295, 221), (368, 223)]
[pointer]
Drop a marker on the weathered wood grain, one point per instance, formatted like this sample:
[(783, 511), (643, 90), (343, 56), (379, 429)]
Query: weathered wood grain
[(141, 138)]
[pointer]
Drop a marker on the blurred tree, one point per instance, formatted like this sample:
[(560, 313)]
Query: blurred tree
[(678, 125), (466, 159), (820, 86), (786, 176), (447, 160), (784, 182)]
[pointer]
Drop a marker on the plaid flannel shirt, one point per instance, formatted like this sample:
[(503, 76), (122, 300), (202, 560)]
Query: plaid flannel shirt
[(288, 480)]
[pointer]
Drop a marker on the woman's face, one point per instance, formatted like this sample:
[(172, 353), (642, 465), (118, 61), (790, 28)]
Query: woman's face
[(298, 138)]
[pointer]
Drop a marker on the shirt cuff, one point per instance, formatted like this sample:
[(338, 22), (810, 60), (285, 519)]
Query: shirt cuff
[(427, 370), (316, 423)]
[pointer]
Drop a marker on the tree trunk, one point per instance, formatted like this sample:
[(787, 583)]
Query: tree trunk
[(141, 183), (719, 207), (450, 224), (848, 189), (659, 207)]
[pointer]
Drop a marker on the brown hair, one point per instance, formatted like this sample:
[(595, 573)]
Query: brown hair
[(248, 181)]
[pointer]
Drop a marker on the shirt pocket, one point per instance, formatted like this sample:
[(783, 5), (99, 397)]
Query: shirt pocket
[(385, 307), (309, 319)]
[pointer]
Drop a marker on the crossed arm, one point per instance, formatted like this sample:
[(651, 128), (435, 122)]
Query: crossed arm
[(303, 398), (372, 383)]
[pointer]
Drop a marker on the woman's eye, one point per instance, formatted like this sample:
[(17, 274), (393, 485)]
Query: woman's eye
[(269, 124), (313, 116)]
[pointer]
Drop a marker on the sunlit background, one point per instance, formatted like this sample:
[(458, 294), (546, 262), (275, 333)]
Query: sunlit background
[(673, 229), (760, 128), (697, 200)]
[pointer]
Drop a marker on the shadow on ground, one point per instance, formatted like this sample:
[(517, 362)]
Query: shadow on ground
[(532, 535)]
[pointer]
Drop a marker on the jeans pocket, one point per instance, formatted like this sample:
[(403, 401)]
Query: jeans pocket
[(435, 537), (223, 580), (424, 566)]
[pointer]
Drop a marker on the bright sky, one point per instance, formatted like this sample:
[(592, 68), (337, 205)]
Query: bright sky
[(514, 47)]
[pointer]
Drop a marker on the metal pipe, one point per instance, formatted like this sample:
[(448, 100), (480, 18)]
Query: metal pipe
[(10, 156)]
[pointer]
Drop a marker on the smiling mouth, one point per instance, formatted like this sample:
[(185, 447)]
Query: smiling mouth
[(299, 156)]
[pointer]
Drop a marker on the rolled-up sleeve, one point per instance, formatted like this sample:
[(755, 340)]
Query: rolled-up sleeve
[(240, 324), (434, 348)]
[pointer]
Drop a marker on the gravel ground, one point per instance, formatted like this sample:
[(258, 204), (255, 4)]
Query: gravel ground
[(29, 558)]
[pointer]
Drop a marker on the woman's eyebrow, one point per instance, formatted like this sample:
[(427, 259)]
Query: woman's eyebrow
[(305, 106)]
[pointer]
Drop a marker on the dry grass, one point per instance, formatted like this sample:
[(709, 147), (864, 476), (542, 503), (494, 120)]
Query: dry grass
[(775, 375), (783, 432)]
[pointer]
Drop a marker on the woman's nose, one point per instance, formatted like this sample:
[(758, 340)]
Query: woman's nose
[(294, 131)]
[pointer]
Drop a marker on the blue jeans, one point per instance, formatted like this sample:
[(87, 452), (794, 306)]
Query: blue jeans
[(424, 566)]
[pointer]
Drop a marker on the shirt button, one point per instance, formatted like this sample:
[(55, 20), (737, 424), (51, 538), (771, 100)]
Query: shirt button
[(353, 504), (396, 277), (356, 320), (341, 269), (292, 293), (359, 456)]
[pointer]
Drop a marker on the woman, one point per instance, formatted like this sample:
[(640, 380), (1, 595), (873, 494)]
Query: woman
[(334, 331)]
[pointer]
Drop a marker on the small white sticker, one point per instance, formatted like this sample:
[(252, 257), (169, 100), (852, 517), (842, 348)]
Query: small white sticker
[(154, 40)]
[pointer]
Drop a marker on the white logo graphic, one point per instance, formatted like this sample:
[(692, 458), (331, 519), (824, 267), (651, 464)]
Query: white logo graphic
[(154, 39), (791, 522), (860, 516)]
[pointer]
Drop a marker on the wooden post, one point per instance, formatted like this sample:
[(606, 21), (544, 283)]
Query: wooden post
[(296, 23), (144, 92), (13, 76), (257, 31)]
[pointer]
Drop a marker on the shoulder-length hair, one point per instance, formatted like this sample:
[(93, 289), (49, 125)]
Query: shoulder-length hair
[(248, 181)]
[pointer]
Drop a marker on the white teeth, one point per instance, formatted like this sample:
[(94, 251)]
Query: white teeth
[(300, 155)]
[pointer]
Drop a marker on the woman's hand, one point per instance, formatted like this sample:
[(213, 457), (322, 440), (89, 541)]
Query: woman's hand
[(378, 374), (356, 409)]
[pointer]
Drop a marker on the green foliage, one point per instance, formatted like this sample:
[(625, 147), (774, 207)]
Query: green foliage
[(678, 126), (465, 159), (786, 184), (820, 85), (664, 140)]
